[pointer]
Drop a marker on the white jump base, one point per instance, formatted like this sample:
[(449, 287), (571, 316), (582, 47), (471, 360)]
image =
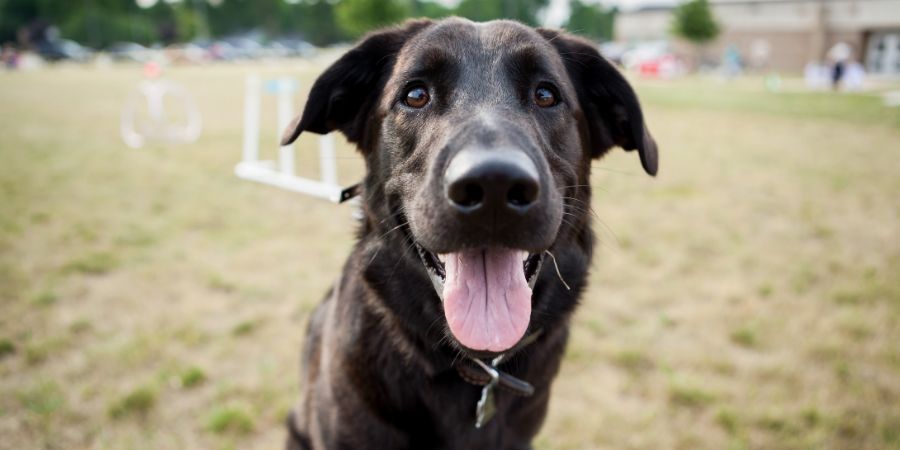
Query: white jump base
[(265, 172), (281, 173)]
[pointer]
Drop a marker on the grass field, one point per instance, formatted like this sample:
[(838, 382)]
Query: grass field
[(747, 298)]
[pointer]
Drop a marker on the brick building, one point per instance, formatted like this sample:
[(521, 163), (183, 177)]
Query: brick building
[(789, 33)]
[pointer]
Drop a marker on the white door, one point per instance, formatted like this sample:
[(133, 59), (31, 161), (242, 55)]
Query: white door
[(883, 55)]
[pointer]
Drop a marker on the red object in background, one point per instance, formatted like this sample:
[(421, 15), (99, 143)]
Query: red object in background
[(152, 70), (665, 66), (649, 68)]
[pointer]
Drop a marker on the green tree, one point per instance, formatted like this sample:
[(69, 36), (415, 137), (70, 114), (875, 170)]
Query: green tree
[(99, 23), (315, 22), (480, 10), (524, 11), (356, 17), (591, 20), (431, 9), (232, 16), (694, 21)]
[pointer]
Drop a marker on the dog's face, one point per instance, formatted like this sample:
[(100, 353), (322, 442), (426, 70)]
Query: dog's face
[(478, 139)]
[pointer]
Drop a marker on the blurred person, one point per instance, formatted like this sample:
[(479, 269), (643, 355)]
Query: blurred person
[(9, 57), (854, 76), (760, 52), (817, 76), (732, 62), (839, 55)]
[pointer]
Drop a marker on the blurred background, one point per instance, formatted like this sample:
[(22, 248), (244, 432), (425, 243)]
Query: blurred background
[(160, 254)]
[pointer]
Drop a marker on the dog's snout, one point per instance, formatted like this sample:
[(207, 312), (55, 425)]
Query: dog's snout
[(497, 182)]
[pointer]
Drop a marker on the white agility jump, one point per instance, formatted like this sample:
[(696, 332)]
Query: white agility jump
[(281, 173)]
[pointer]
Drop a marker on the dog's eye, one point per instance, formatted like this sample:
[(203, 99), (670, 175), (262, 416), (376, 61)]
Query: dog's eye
[(544, 97), (416, 97)]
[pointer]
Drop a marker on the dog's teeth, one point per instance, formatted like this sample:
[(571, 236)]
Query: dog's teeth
[(442, 258), (524, 256)]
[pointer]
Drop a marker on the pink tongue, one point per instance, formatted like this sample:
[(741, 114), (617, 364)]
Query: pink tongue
[(487, 300)]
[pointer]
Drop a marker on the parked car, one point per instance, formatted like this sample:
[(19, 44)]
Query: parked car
[(245, 47), (189, 53), (129, 51), (221, 51), (64, 49), (653, 59), (613, 51), (287, 47)]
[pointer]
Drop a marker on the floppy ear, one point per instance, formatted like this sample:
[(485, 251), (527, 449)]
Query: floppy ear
[(342, 97), (610, 105)]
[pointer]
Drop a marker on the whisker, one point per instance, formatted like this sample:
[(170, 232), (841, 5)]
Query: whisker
[(557, 270), (620, 172)]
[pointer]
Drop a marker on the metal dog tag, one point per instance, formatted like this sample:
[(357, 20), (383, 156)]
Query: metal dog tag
[(487, 406)]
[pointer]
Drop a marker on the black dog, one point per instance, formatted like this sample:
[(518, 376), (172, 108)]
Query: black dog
[(474, 248)]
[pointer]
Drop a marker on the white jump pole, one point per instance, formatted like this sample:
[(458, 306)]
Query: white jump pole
[(252, 101), (327, 160), (285, 113)]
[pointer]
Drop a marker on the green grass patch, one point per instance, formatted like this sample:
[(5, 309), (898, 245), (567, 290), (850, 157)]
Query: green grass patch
[(137, 402), (728, 420), (843, 371), (246, 327), (44, 298), (869, 290), (190, 335), (80, 326), (43, 399), (700, 93), (135, 236), (679, 191), (804, 278), (634, 361), (745, 336), (890, 432), (773, 424), (38, 352), (230, 419), (217, 282), (7, 347), (97, 263), (811, 417), (689, 396), (39, 218), (192, 377)]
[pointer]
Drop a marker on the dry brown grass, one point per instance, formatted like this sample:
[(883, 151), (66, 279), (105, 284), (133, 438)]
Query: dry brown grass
[(749, 297)]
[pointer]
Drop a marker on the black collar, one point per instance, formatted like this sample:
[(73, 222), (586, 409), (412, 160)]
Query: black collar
[(478, 372)]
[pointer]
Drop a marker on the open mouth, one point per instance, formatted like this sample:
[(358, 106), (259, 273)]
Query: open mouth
[(486, 293)]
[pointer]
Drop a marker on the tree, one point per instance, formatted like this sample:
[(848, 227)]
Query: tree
[(356, 17), (430, 9), (314, 21), (694, 21), (524, 11), (591, 20), (480, 10)]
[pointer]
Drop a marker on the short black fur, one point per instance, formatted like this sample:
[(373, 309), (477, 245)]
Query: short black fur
[(379, 365)]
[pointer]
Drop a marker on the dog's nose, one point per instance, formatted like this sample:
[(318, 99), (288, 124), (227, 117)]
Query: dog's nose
[(500, 181)]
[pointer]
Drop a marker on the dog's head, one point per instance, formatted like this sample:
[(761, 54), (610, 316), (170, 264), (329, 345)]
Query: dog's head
[(478, 139)]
